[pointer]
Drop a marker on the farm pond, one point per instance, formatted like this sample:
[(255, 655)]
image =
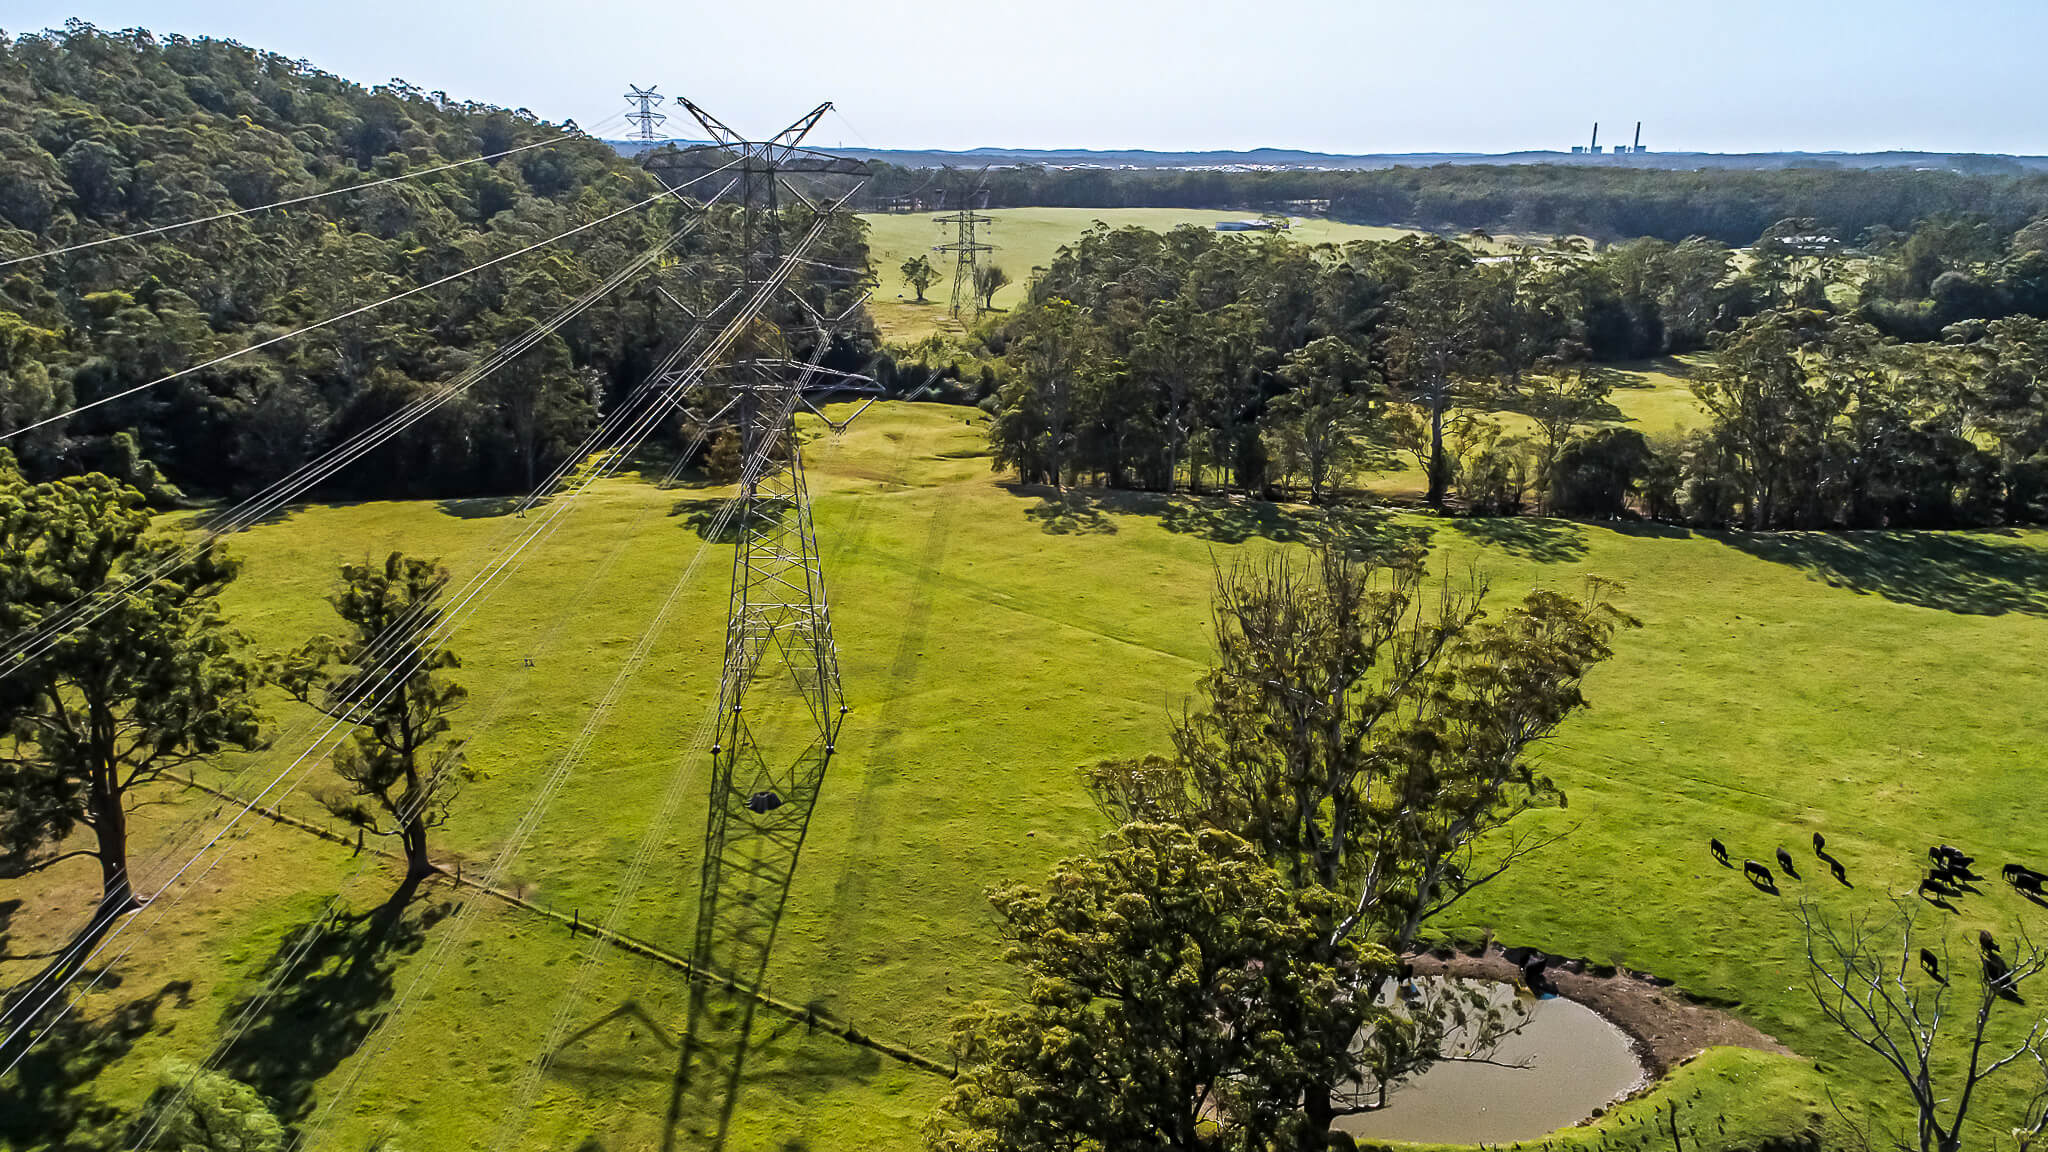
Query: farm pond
[(1562, 1062)]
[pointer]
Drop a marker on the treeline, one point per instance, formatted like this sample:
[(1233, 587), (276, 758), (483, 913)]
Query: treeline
[(105, 133), (1731, 206), (1193, 360)]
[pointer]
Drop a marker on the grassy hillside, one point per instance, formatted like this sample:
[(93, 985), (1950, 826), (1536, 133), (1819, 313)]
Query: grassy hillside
[(1881, 689), (1027, 238)]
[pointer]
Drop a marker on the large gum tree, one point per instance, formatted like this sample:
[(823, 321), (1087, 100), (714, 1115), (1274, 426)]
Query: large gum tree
[(144, 684)]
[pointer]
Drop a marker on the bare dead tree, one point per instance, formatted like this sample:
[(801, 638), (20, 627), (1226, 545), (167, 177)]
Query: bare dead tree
[(1931, 1024), (2033, 1125)]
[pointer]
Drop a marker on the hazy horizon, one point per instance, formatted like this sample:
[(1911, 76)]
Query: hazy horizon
[(1473, 76)]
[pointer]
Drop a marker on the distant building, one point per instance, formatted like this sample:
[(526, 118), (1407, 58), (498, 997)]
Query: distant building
[(1251, 225)]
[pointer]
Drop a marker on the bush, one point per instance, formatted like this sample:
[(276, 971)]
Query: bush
[(1495, 480), (1598, 473)]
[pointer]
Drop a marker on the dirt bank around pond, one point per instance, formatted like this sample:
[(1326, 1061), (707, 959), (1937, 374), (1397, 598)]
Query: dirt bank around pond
[(1667, 1028)]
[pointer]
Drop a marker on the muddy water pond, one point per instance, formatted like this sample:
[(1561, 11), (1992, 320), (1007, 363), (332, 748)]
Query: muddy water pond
[(1566, 1061)]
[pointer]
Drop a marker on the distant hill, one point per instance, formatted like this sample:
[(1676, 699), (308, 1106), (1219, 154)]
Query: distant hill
[(1257, 159)]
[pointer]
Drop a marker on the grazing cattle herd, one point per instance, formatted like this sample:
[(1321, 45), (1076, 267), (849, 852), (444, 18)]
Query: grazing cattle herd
[(1950, 876)]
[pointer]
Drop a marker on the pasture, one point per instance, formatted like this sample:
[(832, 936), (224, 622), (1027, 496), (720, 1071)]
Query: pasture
[(1025, 239), (1880, 688)]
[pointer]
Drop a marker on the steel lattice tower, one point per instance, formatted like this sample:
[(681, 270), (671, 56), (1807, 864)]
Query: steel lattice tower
[(966, 247), (780, 701), (646, 119)]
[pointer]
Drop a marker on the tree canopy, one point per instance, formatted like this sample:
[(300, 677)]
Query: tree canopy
[(151, 679)]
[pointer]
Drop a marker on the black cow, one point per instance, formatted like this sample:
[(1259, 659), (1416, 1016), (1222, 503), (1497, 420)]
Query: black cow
[(1719, 850), (1760, 876), (1820, 844), (1937, 886), (1785, 863), (1999, 975), (1932, 963), (1951, 858), (1987, 942)]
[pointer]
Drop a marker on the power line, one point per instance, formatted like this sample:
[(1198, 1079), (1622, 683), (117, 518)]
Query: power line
[(306, 199), (25, 647), (28, 645), (353, 312), (283, 972), (760, 456), (478, 590)]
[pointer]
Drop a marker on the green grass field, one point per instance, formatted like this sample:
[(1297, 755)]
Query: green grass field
[(1882, 689), (1653, 397), (1025, 239)]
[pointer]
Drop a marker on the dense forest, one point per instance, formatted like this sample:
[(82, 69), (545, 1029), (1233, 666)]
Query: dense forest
[(1728, 205), (104, 133), (1196, 360), (1183, 360)]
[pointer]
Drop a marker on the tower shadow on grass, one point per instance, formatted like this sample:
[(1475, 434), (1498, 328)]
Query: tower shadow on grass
[(700, 515), (330, 980), (1975, 574)]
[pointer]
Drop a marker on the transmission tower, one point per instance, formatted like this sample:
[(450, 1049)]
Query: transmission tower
[(646, 119), (780, 704), (965, 247)]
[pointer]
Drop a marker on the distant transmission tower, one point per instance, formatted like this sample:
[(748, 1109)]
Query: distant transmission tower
[(966, 248), (647, 119), (779, 699)]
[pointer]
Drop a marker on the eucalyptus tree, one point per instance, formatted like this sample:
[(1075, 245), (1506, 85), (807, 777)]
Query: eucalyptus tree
[(1438, 340), (1320, 421), (989, 279), (1167, 982), (386, 677), (111, 702), (1053, 351), (919, 273), (1562, 400), (1369, 731)]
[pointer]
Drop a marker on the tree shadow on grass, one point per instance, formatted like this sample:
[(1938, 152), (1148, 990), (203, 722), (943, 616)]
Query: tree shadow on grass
[(1071, 512), (328, 984), (47, 1101), (1359, 530), (1542, 539), (1974, 574), (479, 507)]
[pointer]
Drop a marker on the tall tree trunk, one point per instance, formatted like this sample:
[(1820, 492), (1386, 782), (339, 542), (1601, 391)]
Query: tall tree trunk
[(1320, 1107), (1438, 481), (412, 833), (110, 826), (411, 813)]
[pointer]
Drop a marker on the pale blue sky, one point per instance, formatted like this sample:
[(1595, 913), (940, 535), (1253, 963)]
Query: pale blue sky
[(1363, 76)]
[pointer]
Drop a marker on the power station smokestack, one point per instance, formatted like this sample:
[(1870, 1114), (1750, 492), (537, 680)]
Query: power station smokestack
[(1594, 147), (1639, 137)]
